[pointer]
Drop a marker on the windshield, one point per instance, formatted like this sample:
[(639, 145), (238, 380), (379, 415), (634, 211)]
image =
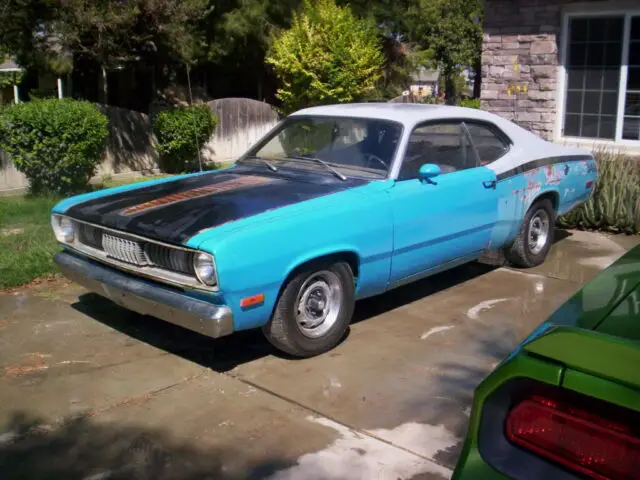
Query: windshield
[(354, 146)]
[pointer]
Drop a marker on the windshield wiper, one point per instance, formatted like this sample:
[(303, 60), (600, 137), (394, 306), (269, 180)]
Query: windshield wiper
[(271, 166), (323, 163)]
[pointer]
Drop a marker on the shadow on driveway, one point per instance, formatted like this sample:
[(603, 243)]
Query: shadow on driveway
[(459, 382), (226, 353), (82, 448)]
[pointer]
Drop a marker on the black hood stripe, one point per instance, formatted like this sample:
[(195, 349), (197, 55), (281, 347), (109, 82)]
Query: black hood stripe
[(245, 181), (175, 211)]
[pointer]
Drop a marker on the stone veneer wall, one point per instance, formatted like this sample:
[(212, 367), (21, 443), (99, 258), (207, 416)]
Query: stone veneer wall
[(521, 42)]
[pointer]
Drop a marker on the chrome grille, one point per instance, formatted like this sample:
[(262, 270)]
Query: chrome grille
[(124, 250), (90, 235), (136, 251), (171, 259)]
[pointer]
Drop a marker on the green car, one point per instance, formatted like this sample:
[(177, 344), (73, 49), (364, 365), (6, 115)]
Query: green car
[(565, 404)]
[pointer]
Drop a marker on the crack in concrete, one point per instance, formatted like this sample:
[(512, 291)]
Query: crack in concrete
[(143, 398), (541, 275), (332, 419)]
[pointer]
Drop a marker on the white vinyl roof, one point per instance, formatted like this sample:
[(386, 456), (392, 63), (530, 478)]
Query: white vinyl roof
[(527, 145), (409, 114)]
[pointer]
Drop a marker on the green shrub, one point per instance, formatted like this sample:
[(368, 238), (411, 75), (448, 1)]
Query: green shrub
[(181, 133), (329, 55), (57, 144), (615, 204), (470, 102), (433, 100)]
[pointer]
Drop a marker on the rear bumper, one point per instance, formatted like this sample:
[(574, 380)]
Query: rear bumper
[(147, 298)]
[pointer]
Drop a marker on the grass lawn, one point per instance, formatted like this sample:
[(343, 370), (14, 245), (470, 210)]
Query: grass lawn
[(27, 244), (26, 240), (109, 182)]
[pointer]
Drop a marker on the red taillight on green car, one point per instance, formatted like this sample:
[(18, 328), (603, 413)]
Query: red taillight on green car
[(581, 440)]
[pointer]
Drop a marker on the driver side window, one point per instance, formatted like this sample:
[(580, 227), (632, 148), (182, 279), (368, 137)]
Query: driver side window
[(444, 144)]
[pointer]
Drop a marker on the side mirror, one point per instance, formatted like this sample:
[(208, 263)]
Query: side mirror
[(429, 171)]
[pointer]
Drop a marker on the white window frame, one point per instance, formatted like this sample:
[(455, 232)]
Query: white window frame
[(562, 78)]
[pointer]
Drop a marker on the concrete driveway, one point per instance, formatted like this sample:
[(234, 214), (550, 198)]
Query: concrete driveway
[(91, 391)]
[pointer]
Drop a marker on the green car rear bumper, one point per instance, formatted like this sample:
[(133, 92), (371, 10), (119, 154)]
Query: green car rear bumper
[(588, 367), (471, 464), (587, 350)]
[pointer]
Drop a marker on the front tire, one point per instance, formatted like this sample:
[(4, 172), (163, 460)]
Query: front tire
[(535, 237), (314, 310)]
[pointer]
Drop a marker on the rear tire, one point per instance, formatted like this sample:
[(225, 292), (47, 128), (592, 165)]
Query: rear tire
[(314, 310), (532, 244)]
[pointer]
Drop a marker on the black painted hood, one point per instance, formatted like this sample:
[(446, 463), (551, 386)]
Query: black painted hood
[(175, 211)]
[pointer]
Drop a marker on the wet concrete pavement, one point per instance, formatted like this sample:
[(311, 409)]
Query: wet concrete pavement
[(90, 390)]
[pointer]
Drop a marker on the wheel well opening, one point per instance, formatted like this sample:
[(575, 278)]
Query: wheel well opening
[(554, 197), (350, 257)]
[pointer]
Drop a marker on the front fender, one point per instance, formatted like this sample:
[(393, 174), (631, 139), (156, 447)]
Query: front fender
[(324, 252), (258, 259)]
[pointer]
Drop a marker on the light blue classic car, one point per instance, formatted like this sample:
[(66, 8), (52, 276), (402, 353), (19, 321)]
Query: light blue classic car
[(335, 204)]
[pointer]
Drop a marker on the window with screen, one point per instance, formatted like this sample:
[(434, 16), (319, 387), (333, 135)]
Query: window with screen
[(594, 60), (631, 120), (487, 142), (602, 61)]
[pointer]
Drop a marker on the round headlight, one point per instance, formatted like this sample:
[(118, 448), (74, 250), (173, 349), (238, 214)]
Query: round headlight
[(205, 268), (63, 229)]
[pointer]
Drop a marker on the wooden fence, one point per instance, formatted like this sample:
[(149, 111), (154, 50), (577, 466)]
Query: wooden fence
[(241, 122), (11, 180), (131, 145)]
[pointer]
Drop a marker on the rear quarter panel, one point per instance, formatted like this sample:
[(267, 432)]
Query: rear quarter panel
[(257, 254), (563, 174)]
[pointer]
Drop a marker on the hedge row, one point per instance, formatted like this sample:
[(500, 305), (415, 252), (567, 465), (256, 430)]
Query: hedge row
[(58, 144)]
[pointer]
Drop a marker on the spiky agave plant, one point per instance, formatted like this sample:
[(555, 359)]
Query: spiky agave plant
[(615, 204)]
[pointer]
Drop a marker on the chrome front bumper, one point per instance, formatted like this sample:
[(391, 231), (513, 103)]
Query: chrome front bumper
[(147, 298)]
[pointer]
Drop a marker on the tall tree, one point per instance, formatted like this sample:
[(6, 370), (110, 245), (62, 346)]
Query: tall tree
[(389, 15), (451, 30), (327, 56), (239, 34), (25, 34), (99, 30), (175, 28), (109, 32), (401, 57)]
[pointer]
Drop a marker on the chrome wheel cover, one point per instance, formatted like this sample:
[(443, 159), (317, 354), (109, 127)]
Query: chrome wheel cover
[(318, 303), (539, 228)]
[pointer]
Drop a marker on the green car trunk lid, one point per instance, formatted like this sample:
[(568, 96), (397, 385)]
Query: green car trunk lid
[(601, 355), (624, 319), (590, 305), (597, 331)]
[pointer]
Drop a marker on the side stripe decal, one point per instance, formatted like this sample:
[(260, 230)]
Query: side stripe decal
[(541, 162), (444, 238)]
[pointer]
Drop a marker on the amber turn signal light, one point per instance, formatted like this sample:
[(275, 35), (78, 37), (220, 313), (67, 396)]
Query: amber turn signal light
[(251, 301)]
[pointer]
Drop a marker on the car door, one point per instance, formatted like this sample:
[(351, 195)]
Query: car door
[(448, 219)]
